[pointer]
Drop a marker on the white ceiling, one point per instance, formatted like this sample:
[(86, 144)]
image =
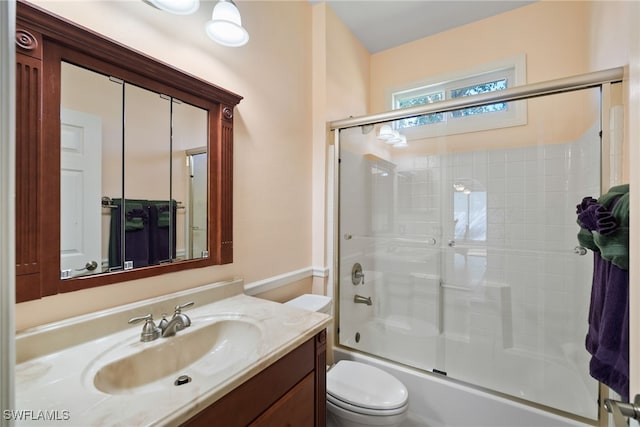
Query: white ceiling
[(383, 24)]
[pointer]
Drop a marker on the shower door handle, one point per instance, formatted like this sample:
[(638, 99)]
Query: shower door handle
[(622, 410)]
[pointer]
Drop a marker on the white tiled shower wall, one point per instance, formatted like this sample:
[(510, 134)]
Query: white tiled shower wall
[(527, 289)]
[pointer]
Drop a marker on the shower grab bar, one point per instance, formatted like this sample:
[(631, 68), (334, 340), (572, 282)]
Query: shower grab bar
[(578, 250), (431, 241), (455, 287)]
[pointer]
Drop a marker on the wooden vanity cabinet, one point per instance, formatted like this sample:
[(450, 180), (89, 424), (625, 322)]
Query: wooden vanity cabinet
[(291, 392)]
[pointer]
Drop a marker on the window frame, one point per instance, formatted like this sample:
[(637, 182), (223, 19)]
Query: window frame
[(512, 69)]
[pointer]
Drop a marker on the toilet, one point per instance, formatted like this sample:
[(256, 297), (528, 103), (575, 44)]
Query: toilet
[(358, 395), (312, 302)]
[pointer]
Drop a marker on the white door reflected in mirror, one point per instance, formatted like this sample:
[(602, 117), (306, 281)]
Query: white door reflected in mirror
[(81, 186)]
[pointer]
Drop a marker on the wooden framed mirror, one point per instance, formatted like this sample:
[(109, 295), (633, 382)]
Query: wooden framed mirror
[(106, 154)]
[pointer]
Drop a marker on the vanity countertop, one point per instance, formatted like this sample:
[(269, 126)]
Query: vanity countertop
[(57, 388)]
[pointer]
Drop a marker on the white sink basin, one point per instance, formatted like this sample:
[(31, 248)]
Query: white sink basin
[(218, 349)]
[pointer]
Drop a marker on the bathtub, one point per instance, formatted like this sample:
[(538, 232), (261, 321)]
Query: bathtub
[(440, 402), (471, 332)]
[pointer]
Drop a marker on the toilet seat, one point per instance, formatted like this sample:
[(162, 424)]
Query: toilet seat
[(365, 411), (364, 389)]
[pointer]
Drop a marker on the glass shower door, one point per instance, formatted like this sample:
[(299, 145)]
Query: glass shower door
[(390, 229), (467, 244)]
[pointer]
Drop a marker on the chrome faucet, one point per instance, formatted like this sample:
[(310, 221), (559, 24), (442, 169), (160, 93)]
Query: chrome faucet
[(165, 328), (178, 322), (150, 331), (359, 299)]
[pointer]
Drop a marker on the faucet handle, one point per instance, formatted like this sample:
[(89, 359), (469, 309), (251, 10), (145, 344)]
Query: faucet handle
[(149, 331), (179, 308), (148, 317)]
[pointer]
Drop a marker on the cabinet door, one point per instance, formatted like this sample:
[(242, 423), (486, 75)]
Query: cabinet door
[(294, 409)]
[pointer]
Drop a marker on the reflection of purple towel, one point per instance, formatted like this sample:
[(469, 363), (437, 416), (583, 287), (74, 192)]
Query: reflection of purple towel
[(137, 247), (608, 336), (162, 231), (136, 236)]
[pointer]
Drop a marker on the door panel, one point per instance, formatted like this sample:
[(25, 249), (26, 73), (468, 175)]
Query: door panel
[(80, 192)]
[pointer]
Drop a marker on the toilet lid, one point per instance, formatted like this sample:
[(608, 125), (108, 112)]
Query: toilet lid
[(365, 386), (311, 302)]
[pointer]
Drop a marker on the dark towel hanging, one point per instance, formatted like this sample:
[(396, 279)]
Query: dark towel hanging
[(136, 235), (605, 230), (162, 230), (608, 338)]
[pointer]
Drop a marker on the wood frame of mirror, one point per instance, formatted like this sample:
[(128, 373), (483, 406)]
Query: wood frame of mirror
[(43, 40)]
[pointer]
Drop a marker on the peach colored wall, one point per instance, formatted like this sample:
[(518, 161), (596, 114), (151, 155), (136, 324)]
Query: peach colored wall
[(319, 162), (272, 182), (551, 35), (348, 70), (340, 88)]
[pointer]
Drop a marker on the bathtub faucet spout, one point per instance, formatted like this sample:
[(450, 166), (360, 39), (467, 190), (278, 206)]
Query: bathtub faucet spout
[(359, 299)]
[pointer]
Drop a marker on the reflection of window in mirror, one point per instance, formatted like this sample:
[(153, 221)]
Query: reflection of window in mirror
[(470, 214), (382, 182), (197, 184), (190, 137)]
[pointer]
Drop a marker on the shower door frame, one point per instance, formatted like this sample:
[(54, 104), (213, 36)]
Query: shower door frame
[(598, 79)]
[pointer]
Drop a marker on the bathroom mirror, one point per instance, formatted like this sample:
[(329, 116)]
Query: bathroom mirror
[(128, 143), (124, 163)]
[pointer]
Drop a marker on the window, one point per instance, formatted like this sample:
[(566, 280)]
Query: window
[(487, 78), (476, 89), (411, 100), (470, 215)]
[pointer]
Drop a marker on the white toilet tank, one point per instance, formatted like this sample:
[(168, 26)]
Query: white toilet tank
[(312, 302)]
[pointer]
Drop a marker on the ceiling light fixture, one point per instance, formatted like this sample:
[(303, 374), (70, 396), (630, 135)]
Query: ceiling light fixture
[(177, 7), (225, 26), (392, 137), (395, 137), (385, 132), (402, 143)]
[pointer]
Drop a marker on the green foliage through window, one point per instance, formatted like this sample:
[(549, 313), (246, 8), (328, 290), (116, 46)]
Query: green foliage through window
[(476, 90), (420, 100), (419, 97)]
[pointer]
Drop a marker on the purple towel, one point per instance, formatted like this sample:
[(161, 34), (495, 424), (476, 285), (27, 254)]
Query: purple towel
[(608, 337), (136, 236), (162, 238)]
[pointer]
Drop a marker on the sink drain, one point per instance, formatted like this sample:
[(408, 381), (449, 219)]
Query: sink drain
[(182, 379)]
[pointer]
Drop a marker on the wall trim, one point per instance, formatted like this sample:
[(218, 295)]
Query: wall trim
[(284, 279)]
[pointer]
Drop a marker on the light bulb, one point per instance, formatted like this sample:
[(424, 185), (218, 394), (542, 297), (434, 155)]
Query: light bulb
[(177, 7), (225, 26)]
